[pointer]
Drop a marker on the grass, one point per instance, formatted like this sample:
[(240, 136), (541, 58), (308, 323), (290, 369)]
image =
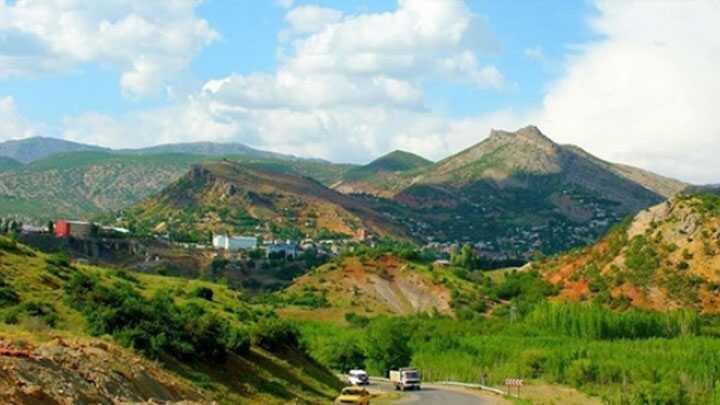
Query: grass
[(259, 375)]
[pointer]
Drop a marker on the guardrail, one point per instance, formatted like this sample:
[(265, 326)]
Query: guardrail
[(452, 384)]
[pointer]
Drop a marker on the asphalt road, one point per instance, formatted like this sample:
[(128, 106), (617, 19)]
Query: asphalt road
[(431, 394)]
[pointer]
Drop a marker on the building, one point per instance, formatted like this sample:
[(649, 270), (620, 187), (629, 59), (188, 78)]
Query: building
[(234, 242), (287, 248), (76, 229)]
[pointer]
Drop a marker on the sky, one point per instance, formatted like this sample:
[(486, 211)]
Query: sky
[(631, 81)]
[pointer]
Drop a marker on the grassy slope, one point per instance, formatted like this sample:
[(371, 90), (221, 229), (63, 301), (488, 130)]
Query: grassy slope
[(257, 376)]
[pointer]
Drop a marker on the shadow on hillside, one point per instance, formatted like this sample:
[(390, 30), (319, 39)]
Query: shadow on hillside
[(261, 374)]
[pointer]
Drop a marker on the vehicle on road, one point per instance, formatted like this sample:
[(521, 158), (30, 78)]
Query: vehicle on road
[(358, 377), (354, 396), (405, 379)]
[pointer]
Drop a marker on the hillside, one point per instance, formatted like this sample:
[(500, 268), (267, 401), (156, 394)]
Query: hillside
[(517, 192), (197, 335), (85, 184), (37, 148), (226, 196), (381, 176), (667, 257), (385, 285), (9, 164), (208, 149)]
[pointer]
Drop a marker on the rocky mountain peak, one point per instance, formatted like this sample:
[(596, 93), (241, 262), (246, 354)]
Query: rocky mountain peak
[(528, 135)]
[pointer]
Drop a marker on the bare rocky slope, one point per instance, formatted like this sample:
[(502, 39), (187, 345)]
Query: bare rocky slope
[(667, 257), (380, 284)]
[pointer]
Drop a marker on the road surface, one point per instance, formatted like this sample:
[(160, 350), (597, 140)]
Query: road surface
[(431, 394)]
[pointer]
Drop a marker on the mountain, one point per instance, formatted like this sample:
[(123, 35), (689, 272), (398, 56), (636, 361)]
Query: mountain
[(83, 334), (382, 175), (518, 192), (225, 196), (667, 257), (37, 148), (85, 184), (9, 164), (208, 149)]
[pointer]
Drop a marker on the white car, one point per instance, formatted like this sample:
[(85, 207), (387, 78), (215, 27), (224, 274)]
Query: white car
[(358, 377)]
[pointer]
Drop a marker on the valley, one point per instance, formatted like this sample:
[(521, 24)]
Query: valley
[(517, 258)]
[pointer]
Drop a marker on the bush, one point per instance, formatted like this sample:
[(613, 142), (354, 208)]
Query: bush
[(153, 326), (275, 334), (8, 296), (203, 293)]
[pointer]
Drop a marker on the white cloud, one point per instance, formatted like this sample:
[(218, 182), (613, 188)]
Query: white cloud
[(645, 96), (309, 19), (147, 41), (12, 124), (348, 87)]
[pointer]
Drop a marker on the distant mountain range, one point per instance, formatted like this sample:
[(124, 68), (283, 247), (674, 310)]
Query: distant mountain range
[(511, 194), (38, 148)]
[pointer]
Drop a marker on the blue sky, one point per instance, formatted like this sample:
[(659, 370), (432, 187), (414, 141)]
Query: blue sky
[(350, 80), (249, 38)]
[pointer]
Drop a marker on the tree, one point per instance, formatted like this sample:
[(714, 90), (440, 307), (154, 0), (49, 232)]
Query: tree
[(465, 258), (387, 345)]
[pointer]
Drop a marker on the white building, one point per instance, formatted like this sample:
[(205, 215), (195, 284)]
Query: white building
[(234, 242)]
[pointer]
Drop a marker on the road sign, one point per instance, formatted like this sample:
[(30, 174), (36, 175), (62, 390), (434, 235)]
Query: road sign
[(513, 382)]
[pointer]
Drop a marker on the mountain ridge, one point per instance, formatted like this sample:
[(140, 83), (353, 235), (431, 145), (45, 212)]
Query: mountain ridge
[(230, 197)]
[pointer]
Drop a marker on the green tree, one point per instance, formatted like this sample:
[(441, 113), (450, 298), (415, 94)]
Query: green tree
[(387, 345)]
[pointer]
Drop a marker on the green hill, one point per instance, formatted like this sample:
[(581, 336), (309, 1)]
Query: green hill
[(9, 164), (78, 334), (383, 175)]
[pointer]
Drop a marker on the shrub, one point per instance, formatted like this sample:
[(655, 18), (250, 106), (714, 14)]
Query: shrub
[(275, 334), (153, 326), (8, 296), (203, 293)]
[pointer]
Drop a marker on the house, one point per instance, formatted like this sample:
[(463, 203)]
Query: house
[(234, 242), (76, 229), (286, 248)]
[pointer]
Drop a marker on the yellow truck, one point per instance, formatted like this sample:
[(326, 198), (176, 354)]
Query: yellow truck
[(405, 379), (353, 396)]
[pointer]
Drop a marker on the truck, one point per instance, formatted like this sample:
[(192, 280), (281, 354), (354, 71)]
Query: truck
[(405, 379)]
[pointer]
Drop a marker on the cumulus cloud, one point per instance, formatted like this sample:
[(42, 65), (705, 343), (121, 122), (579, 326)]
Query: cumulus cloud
[(645, 96), (348, 87), (309, 19), (147, 41), (12, 124)]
